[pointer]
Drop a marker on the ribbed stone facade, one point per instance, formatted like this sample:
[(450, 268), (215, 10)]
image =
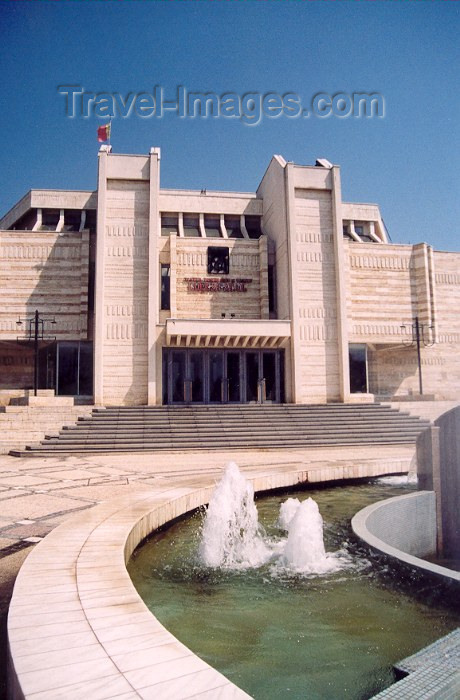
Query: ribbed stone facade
[(306, 282)]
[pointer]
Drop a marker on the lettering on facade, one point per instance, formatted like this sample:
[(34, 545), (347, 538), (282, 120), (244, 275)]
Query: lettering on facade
[(197, 284)]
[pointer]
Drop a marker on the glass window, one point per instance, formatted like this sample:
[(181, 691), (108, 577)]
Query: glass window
[(68, 369), (358, 369), (165, 287), (212, 226), (232, 224), (75, 368), (218, 260), (192, 226), (169, 225), (85, 376), (252, 224)]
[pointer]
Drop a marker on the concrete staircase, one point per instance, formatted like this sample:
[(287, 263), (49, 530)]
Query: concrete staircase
[(230, 427), (20, 424)]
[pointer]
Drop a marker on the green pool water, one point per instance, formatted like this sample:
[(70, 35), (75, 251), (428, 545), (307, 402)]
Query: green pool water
[(278, 635)]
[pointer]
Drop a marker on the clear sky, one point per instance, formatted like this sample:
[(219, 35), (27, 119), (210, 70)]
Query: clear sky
[(407, 161)]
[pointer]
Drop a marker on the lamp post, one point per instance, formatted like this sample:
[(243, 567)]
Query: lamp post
[(418, 337), (35, 328)]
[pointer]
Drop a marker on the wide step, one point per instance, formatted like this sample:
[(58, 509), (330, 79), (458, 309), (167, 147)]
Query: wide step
[(282, 426)]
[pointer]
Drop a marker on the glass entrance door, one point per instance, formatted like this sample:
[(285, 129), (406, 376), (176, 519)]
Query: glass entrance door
[(185, 376), (270, 377), (263, 380), (177, 377), (252, 377), (222, 376), (233, 376), (216, 377)]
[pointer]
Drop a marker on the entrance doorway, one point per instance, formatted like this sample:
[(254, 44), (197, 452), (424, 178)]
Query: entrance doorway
[(222, 376)]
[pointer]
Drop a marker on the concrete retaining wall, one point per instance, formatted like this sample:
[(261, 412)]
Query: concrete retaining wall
[(438, 468), (449, 457), (405, 529)]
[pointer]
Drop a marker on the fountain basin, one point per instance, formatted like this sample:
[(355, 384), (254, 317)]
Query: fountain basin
[(404, 528), (78, 628)]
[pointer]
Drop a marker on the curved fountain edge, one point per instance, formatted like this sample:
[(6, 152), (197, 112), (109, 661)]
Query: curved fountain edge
[(387, 519), (78, 628)]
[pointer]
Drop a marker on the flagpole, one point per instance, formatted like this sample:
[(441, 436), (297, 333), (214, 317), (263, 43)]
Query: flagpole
[(110, 131)]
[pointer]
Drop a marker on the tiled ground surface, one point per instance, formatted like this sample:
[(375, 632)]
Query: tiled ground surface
[(46, 491), (445, 650), (434, 672)]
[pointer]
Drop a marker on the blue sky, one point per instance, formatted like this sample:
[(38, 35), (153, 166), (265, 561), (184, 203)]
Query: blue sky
[(408, 52)]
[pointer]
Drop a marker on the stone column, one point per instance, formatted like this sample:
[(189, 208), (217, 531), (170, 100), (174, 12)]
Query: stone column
[(340, 284), (99, 281), (153, 275)]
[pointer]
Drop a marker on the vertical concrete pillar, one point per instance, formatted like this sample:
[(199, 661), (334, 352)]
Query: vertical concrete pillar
[(429, 473), (153, 275), (340, 285), (289, 193), (99, 280), (263, 267)]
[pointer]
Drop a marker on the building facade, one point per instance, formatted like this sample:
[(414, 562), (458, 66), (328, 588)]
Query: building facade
[(288, 294)]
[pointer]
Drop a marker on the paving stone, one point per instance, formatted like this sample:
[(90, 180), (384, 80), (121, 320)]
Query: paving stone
[(37, 505), (23, 531)]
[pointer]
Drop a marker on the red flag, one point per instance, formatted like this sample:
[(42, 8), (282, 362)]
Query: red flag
[(103, 133)]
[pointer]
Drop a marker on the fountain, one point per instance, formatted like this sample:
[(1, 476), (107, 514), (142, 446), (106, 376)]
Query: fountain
[(233, 538), (279, 610)]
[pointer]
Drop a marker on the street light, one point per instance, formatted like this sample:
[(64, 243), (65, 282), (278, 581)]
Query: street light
[(418, 337), (35, 329)]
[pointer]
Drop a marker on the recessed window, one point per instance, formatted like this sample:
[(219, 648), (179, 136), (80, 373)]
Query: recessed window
[(346, 231), (72, 219), (253, 228), (50, 219), (212, 226), (232, 224), (218, 260), (169, 225), (165, 287), (358, 369), (192, 226)]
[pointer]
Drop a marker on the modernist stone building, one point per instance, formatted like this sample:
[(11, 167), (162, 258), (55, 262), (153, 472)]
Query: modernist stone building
[(160, 296)]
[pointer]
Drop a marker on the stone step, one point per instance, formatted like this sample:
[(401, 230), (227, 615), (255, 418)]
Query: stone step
[(75, 434), (280, 426), (72, 437), (231, 424), (44, 451)]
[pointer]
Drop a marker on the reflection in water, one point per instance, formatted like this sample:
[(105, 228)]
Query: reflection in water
[(278, 633)]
